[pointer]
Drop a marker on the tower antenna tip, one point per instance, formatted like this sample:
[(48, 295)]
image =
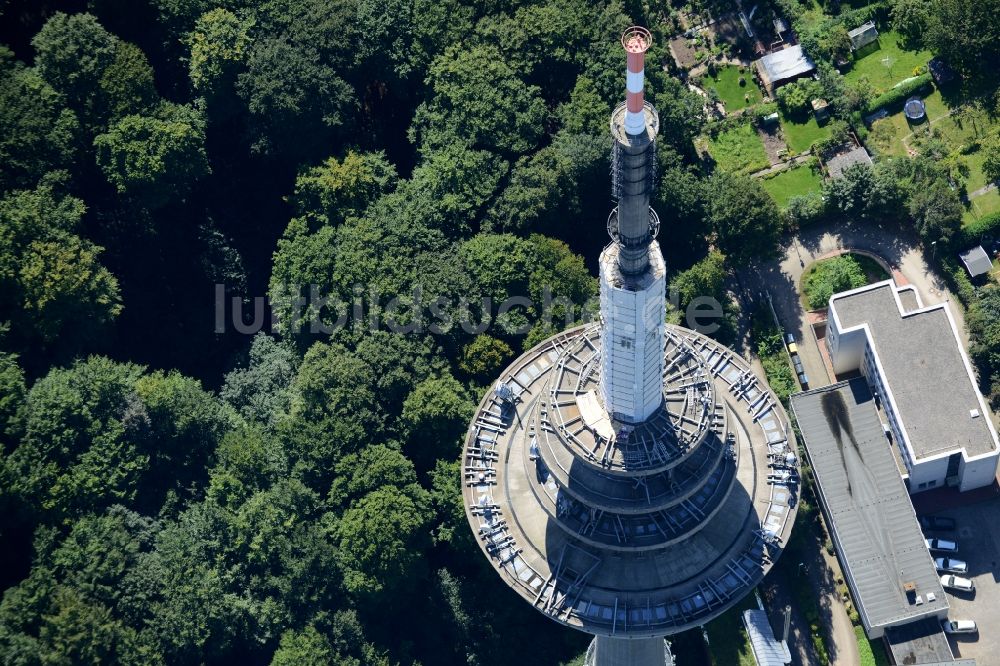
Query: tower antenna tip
[(637, 39)]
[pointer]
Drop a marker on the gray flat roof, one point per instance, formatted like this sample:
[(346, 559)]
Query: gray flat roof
[(922, 642), (976, 261), (837, 164), (924, 368), (786, 64), (879, 541)]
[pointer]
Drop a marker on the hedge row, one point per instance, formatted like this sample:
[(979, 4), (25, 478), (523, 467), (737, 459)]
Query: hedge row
[(973, 234), (919, 84), (958, 280)]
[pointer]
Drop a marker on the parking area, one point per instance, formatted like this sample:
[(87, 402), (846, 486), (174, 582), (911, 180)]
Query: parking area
[(978, 535)]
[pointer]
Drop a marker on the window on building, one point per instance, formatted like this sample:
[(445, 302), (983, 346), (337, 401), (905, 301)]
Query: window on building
[(931, 484), (626, 343), (922, 486)]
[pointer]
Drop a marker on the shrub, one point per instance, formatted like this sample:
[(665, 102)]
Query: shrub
[(761, 111), (832, 276), (805, 209), (919, 84), (795, 97), (958, 280), (975, 232)]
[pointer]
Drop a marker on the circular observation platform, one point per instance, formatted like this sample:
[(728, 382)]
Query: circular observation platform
[(630, 533)]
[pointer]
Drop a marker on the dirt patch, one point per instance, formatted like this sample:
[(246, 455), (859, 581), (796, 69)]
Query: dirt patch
[(774, 145), (684, 52)]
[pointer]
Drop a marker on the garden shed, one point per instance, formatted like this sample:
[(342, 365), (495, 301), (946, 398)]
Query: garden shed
[(783, 66), (836, 165), (862, 36), (976, 261), (821, 109)]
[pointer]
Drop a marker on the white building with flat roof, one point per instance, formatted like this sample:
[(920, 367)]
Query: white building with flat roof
[(915, 362)]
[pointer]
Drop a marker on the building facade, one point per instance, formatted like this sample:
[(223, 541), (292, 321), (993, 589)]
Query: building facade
[(914, 361)]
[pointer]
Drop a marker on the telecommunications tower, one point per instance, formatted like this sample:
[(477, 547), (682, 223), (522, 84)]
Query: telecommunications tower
[(629, 478)]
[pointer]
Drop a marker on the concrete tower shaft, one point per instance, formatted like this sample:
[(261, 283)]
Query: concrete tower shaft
[(634, 126), (632, 272), (630, 479)]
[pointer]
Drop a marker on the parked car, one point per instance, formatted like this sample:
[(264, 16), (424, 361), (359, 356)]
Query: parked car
[(939, 523), (941, 545), (951, 565), (959, 627), (958, 583)]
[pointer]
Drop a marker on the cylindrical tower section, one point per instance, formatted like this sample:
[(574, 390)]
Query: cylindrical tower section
[(636, 41), (634, 159)]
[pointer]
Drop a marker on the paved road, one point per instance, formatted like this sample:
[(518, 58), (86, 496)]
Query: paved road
[(780, 278)]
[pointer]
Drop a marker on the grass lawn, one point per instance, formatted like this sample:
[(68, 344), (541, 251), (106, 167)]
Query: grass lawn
[(738, 150), (974, 162), (799, 135), (727, 638), (727, 83), (981, 206), (871, 652), (957, 130), (793, 182), (873, 64)]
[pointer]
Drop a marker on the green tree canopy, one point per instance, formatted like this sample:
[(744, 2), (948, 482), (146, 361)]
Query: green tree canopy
[(484, 357), (435, 416), (218, 44), (936, 211), (479, 99), (100, 433), (261, 392), (382, 538), (991, 150), (746, 224), (51, 278), (335, 387), (154, 159), (965, 32), (338, 189), (37, 133)]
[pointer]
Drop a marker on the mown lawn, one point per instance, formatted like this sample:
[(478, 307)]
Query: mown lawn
[(800, 134), (738, 150), (961, 129), (982, 206), (882, 75), (793, 182), (727, 84), (946, 120)]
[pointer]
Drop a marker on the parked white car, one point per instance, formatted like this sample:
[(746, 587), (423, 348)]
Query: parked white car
[(959, 627), (941, 545), (958, 583), (951, 565)]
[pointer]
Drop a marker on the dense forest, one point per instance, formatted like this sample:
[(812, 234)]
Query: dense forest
[(176, 491)]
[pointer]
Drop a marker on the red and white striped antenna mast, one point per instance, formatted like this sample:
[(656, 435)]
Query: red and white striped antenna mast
[(636, 41)]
